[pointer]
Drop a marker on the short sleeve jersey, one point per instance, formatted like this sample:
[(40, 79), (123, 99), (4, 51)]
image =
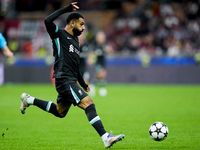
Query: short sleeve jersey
[(2, 41)]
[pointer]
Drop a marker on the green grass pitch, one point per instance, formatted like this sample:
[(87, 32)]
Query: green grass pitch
[(128, 109)]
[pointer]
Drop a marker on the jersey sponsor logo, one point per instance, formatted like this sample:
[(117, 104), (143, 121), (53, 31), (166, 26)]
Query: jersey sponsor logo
[(73, 49)]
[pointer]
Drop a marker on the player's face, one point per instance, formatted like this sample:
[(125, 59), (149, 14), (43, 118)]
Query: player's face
[(100, 37), (79, 27)]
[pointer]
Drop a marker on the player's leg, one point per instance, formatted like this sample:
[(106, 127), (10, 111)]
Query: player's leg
[(59, 110), (82, 100), (63, 109), (100, 76), (90, 110), (98, 80), (92, 116)]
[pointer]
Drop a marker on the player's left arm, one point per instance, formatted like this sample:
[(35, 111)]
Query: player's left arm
[(82, 83), (50, 26)]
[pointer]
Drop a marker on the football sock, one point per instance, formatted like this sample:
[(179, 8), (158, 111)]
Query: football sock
[(94, 119), (47, 106), (104, 136), (30, 100)]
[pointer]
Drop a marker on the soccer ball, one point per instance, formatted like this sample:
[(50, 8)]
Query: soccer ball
[(158, 131)]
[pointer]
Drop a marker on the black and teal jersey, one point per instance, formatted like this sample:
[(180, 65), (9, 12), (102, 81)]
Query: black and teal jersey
[(66, 49), (66, 52)]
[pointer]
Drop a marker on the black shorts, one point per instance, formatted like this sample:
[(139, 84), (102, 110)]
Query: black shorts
[(69, 92)]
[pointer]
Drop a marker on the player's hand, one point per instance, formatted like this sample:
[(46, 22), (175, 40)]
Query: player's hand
[(87, 89), (74, 6), (7, 52)]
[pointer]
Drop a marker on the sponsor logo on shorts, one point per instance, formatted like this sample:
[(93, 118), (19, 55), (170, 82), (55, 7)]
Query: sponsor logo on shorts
[(80, 92)]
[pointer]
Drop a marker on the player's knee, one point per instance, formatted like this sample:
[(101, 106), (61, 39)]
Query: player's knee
[(88, 101), (62, 115), (85, 102), (62, 110), (101, 74), (59, 115)]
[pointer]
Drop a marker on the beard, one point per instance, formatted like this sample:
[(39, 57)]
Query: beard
[(77, 32)]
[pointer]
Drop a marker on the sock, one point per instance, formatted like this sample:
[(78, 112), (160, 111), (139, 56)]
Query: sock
[(94, 119), (47, 106), (30, 100), (104, 136)]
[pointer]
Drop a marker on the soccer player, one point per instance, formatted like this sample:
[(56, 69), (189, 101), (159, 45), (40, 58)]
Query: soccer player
[(66, 74), (100, 48), (7, 52), (3, 45)]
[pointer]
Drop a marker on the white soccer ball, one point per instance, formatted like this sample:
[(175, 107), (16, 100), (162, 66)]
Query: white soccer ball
[(158, 131)]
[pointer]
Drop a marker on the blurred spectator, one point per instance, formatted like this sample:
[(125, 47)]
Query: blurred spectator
[(159, 27), (166, 26)]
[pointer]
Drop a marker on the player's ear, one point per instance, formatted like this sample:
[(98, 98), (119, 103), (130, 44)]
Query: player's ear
[(72, 23)]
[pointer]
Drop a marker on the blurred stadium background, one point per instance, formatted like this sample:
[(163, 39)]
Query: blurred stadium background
[(154, 41)]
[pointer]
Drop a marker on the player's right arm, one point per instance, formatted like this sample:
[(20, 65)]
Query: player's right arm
[(7, 52), (4, 47), (50, 26)]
